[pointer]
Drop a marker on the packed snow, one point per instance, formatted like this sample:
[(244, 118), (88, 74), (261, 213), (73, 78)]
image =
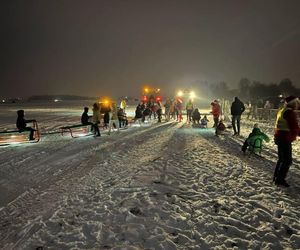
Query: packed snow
[(155, 186)]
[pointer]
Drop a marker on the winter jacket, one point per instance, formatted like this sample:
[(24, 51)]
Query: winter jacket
[(215, 109), (221, 127), (288, 132), (96, 115), (196, 115), (21, 123), (189, 106), (204, 121), (84, 118), (237, 107), (114, 113), (255, 139), (138, 112)]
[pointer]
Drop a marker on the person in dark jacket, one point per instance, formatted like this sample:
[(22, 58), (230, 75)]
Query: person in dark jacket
[(139, 111), (85, 117), (237, 108), (96, 118), (158, 111), (286, 131), (123, 122), (22, 126), (196, 116)]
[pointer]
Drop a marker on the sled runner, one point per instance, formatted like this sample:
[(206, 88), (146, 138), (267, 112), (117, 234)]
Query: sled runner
[(76, 131), (8, 137)]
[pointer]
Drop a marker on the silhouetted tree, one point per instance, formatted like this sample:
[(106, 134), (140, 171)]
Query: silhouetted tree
[(244, 88), (286, 87)]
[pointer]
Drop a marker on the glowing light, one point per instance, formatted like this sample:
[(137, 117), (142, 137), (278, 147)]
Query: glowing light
[(3, 100), (280, 96), (146, 90), (56, 100), (192, 94), (145, 98), (158, 90), (180, 93)]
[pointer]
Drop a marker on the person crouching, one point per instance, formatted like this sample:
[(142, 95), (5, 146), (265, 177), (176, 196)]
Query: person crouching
[(220, 129)]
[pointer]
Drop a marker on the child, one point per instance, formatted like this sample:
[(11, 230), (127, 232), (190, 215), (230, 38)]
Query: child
[(204, 122), (22, 126), (254, 140), (220, 128)]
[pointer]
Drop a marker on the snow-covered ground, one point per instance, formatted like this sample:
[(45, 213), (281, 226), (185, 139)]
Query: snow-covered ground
[(158, 186)]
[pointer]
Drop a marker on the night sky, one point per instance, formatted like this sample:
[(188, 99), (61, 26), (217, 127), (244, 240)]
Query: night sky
[(112, 47)]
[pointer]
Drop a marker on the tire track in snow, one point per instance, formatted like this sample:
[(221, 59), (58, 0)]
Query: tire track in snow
[(58, 186)]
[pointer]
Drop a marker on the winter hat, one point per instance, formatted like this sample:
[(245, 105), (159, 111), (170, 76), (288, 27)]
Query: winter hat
[(291, 99), (20, 112)]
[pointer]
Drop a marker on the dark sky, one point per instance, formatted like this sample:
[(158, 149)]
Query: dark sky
[(113, 47)]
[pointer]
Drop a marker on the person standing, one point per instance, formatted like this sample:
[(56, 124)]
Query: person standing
[(114, 118), (237, 108), (216, 112), (167, 109), (158, 111), (179, 109), (286, 131), (189, 110), (123, 104), (96, 119)]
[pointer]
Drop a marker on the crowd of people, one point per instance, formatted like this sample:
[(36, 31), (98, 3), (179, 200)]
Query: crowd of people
[(286, 126)]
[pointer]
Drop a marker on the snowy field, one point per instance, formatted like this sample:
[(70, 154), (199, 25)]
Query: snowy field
[(155, 186)]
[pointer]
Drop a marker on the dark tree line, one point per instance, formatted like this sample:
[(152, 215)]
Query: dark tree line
[(255, 90)]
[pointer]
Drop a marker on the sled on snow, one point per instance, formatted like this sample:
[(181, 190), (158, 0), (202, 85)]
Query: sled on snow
[(196, 125), (255, 146), (78, 130), (8, 137)]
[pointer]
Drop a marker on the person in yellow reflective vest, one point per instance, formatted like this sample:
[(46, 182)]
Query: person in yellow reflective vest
[(189, 110), (123, 104), (286, 131)]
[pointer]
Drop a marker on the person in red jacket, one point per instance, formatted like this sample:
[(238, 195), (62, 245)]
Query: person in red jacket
[(286, 131), (216, 112)]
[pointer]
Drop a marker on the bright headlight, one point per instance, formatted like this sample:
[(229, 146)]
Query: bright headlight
[(192, 94), (180, 93)]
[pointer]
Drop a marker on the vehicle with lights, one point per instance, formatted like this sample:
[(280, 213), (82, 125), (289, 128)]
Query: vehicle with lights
[(151, 98), (185, 96), (151, 95)]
